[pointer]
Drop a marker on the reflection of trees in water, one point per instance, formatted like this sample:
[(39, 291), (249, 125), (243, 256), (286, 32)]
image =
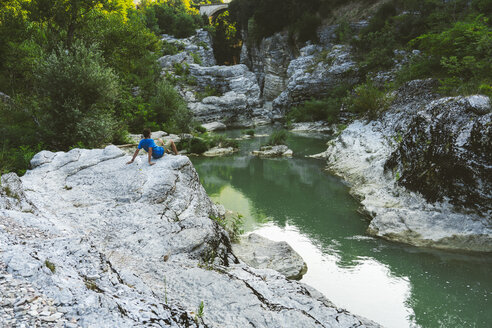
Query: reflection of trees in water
[(294, 189), (299, 191)]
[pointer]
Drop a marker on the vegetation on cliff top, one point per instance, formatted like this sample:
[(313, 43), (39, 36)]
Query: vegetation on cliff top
[(81, 73), (454, 39)]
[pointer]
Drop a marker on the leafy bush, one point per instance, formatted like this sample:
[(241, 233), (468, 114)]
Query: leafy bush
[(368, 99), (200, 129), (197, 146), (196, 58), (171, 17), (77, 93), (181, 69), (223, 142), (326, 109), (278, 137), (307, 26), (250, 132), (169, 110), (462, 53)]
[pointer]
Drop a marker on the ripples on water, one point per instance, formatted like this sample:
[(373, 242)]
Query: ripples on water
[(294, 200)]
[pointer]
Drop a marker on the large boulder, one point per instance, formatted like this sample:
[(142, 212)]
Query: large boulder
[(263, 253), (273, 151), (106, 244), (446, 153), (422, 170)]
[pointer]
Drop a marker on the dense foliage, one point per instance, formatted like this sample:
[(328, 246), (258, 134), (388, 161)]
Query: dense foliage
[(175, 17), (81, 73), (455, 39), (262, 18)]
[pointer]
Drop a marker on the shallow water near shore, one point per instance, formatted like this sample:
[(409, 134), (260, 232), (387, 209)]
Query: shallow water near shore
[(295, 200)]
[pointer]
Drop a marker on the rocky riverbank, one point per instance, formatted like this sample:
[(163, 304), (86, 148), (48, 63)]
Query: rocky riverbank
[(422, 170), (214, 93), (86, 240)]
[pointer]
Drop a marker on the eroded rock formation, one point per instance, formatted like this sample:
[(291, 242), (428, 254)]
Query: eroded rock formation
[(102, 243), (423, 169)]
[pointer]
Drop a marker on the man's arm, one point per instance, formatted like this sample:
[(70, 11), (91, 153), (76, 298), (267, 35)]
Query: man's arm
[(150, 156), (134, 155)]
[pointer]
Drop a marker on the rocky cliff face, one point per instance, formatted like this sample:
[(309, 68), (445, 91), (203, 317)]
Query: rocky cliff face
[(315, 73), (239, 93), (86, 240), (227, 94), (290, 74), (199, 45), (270, 61), (422, 170)]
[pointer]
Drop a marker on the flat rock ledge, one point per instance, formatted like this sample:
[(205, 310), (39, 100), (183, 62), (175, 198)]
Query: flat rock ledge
[(273, 151), (214, 126), (88, 241), (217, 151), (262, 253)]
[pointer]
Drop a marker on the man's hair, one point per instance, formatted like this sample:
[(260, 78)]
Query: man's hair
[(146, 133)]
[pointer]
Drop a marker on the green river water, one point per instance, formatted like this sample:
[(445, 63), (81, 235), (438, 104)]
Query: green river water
[(295, 200)]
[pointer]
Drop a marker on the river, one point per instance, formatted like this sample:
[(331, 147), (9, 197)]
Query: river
[(295, 200)]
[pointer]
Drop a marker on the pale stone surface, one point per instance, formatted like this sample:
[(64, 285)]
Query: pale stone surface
[(135, 246), (273, 151), (199, 44), (314, 75), (319, 126), (217, 151), (262, 253), (214, 126), (269, 62), (379, 158)]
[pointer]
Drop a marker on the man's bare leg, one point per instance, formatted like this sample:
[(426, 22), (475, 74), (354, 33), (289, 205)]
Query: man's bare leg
[(173, 146)]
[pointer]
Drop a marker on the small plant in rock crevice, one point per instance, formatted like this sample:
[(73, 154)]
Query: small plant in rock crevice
[(50, 266)]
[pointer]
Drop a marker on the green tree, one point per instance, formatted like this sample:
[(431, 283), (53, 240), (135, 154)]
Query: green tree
[(76, 93)]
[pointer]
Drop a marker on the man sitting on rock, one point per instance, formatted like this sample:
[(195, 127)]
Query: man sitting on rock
[(154, 151)]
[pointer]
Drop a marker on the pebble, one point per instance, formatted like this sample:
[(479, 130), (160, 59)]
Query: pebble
[(22, 312)]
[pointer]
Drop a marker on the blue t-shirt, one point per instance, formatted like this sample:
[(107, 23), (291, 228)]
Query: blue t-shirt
[(157, 151)]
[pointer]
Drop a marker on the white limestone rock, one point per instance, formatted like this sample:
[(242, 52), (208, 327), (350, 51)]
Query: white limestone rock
[(218, 151), (364, 153), (262, 253), (135, 246), (313, 76), (273, 151), (214, 126)]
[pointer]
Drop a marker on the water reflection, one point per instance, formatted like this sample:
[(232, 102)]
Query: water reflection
[(395, 285)]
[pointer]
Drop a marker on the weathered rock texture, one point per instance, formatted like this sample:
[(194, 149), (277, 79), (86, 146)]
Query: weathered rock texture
[(315, 73), (262, 253), (226, 94), (105, 244), (238, 89), (273, 151), (423, 170), (269, 62), (199, 44)]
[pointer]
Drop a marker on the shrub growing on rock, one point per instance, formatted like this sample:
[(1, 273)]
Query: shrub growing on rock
[(278, 138), (168, 109), (368, 99), (76, 93)]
